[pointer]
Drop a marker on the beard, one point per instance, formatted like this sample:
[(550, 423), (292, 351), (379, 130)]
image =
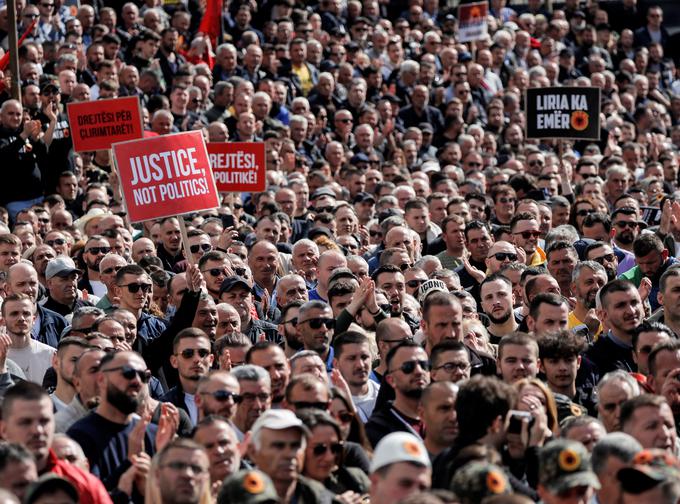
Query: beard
[(500, 320), (625, 237), (121, 401), (292, 341), (415, 393)]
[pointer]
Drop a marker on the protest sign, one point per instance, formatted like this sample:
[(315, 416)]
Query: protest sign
[(563, 112), (472, 23), (96, 125), (238, 166), (165, 176)]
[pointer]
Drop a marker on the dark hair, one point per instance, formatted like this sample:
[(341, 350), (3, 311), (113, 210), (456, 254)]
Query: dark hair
[(628, 407), (647, 243), (563, 343), (129, 269), (341, 288), (189, 332), (560, 245), (481, 400), (647, 326), (438, 299), (617, 285), (387, 268), (446, 346), (24, 391), (393, 351), (348, 338), (623, 211), (521, 217), (476, 224), (517, 338), (494, 277), (13, 452), (597, 218), (544, 298), (665, 346)]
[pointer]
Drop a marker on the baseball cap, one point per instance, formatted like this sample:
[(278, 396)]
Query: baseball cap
[(278, 419), (363, 197), (61, 266), (233, 281), (648, 469), (323, 191), (426, 127), (248, 487), (319, 231), (339, 273), (565, 464), (429, 287), (399, 447), (48, 483), (359, 158), (478, 480)]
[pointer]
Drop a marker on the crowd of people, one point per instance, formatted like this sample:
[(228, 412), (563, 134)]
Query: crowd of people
[(423, 306)]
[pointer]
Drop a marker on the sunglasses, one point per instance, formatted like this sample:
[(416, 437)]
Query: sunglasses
[(344, 120), (322, 448), (373, 233), (529, 234), (409, 367), (129, 373), (300, 405), (215, 272), (237, 206), (405, 266), (293, 321), (205, 247), (450, 367), (316, 323), (58, 241), (240, 271), (32, 16), (326, 209), (604, 258), (134, 287), (112, 269), (624, 224), (224, 396), (502, 256), (583, 213), (415, 283), (345, 416), (188, 353), (536, 163), (99, 250)]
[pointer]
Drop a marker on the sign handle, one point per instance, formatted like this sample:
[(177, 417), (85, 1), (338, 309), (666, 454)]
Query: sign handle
[(185, 240)]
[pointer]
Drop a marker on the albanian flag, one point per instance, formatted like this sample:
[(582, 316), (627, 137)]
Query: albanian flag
[(211, 22), (4, 61)]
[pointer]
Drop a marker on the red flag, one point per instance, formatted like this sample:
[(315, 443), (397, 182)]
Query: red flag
[(211, 22), (4, 61)]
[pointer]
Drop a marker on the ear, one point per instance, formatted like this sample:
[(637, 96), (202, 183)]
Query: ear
[(578, 361), (335, 363), (612, 233), (664, 255), (211, 358), (659, 298), (541, 367), (198, 399), (389, 379), (531, 323), (486, 262), (55, 360), (651, 382), (174, 362), (496, 425)]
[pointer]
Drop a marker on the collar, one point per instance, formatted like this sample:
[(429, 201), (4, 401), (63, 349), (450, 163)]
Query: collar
[(617, 341)]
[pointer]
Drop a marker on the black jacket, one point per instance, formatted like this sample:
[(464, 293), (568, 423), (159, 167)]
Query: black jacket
[(383, 421), (51, 326)]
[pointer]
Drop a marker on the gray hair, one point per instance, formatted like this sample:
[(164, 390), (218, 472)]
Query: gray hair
[(249, 372), (619, 376), (617, 444), (591, 265), (83, 312), (409, 66), (305, 241), (565, 232), (312, 305), (301, 355)]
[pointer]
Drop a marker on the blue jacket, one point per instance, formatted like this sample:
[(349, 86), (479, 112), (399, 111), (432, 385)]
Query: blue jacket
[(51, 326)]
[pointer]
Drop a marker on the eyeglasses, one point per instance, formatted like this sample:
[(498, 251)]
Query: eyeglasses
[(205, 247), (129, 373), (450, 367), (215, 272), (293, 321), (474, 164), (529, 234), (316, 323), (299, 405), (414, 284), (224, 396), (583, 213), (248, 397), (322, 448), (57, 241), (405, 266), (32, 16), (625, 224), (344, 120), (502, 256), (409, 367), (345, 416), (99, 250), (188, 353), (112, 269), (179, 466), (507, 200), (134, 287), (604, 258), (374, 233)]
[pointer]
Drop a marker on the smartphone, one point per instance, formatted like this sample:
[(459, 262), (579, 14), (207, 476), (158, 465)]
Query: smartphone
[(516, 419), (228, 220)]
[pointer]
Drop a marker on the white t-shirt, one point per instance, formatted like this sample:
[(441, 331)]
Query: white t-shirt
[(365, 403), (99, 288), (34, 359), (191, 406)]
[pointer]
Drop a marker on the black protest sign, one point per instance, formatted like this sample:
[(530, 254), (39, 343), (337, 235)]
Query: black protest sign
[(563, 112)]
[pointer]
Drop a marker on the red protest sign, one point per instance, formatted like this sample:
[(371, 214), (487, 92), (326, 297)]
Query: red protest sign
[(96, 125), (165, 175), (238, 166)]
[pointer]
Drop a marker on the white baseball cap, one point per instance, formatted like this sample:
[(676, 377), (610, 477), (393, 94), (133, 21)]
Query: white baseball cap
[(278, 419), (429, 287), (399, 447)]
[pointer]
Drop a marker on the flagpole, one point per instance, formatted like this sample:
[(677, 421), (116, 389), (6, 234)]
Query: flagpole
[(13, 50)]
